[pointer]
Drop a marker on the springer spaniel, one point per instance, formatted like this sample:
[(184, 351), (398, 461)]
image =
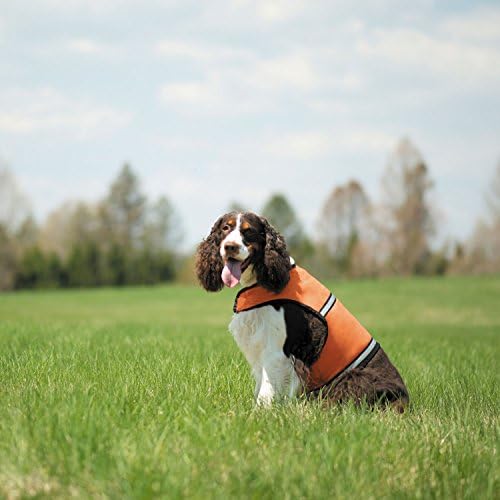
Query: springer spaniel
[(283, 337)]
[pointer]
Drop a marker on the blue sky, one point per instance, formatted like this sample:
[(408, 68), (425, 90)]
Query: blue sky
[(218, 101)]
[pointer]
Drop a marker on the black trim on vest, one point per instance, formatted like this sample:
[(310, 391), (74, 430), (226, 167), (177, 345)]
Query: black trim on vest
[(326, 302), (370, 356)]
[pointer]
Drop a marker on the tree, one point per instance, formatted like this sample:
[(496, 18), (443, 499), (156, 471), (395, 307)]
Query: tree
[(8, 262), (162, 228), (343, 223), (27, 234), (32, 269), (84, 265), (123, 210), (409, 220), (17, 227), (279, 212), (493, 196), (115, 267), (120, 240), (14, 205), (482, 253)]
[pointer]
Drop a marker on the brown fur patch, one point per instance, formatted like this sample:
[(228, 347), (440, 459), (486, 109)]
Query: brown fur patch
[(378, 382)]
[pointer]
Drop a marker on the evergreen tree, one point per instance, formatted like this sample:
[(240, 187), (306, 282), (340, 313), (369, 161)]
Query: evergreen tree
[(116, 266), (124, 208), (84, 265), (32, 269), (280, 213)]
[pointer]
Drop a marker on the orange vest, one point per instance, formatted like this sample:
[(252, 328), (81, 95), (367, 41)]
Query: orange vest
[(347, 343)]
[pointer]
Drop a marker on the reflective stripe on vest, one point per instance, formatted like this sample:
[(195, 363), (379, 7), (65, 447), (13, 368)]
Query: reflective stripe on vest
[(347, 344)]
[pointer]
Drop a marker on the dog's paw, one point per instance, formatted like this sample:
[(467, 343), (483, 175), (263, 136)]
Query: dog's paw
[(264, 400)]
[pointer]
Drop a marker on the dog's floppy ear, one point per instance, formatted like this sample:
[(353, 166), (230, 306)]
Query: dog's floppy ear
[(209, 263), (273, 270)]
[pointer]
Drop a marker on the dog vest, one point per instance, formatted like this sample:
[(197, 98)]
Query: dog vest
[(347, 344)]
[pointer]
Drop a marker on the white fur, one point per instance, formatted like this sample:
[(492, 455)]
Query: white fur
[(260, 334), (235, 238)]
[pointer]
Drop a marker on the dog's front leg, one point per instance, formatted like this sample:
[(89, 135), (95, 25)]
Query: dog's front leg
[(266, 390), (257, 375), (278, 379)]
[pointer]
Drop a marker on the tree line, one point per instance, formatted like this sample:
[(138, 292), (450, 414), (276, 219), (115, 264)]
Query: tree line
[(358, 236), (127, 239), (123, 239)]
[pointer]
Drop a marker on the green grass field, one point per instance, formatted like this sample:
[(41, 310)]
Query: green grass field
[(142, 392)]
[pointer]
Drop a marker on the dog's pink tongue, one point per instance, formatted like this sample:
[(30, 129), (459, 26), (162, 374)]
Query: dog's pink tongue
[(231, 273)]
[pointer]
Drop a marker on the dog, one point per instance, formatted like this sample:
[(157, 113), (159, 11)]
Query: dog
[(297, 336)]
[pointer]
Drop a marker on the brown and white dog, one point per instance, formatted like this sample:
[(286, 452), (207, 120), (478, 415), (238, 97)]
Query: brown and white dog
[(282, 340)]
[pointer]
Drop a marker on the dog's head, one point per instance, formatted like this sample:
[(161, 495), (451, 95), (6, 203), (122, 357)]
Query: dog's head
[(243, 247)]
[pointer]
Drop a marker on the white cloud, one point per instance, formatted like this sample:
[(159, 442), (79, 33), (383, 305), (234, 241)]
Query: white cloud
[(299, 146), (200, 97), (267, 11), (89, 47), (190, 94), (45, 109), (314, 145), (202, 52), (279, 10), (235, 80), (422, 52), (93, 6), (481, 25), (183, 143), (84, 46), (363, 140), (251, 86), (292, 71)]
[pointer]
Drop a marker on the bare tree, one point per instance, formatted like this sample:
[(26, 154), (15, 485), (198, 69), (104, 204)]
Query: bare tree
[(493, 195), (14, 205), (343, 222), (409, 220), (482, 250), (17, 226)]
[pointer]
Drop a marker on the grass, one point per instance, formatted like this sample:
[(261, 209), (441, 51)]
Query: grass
[(142, 393)]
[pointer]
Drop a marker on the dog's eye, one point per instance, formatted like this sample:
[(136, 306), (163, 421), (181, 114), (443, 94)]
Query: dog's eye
[(227, 227)]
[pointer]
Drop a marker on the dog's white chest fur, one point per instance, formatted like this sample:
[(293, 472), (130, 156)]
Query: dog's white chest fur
[(260, 334)]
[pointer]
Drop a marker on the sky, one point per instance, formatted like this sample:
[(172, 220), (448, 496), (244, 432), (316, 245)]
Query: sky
[(221, 101)]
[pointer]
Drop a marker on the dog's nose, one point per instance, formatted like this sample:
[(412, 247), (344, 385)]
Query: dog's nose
[(231, 248)]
